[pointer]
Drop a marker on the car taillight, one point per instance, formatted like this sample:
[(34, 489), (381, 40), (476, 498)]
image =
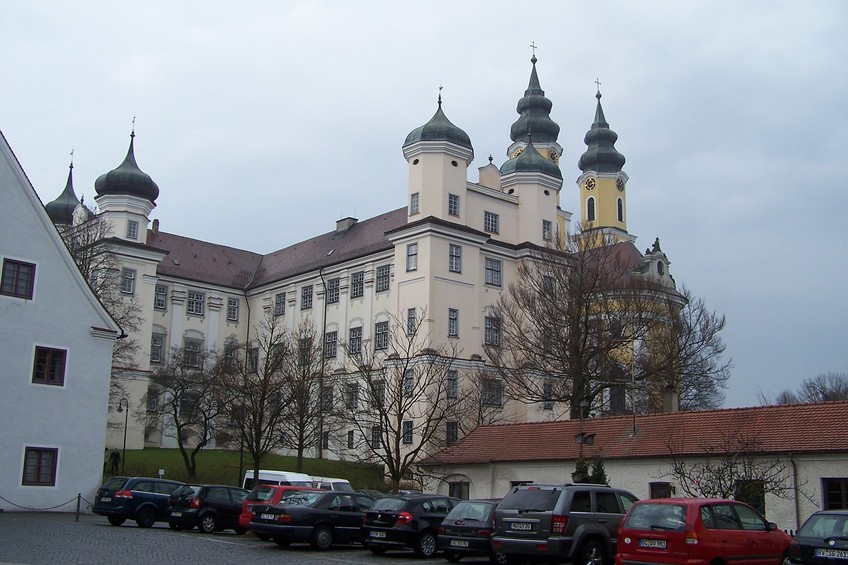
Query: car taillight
[(404, 518), (284, 518), (123, 494), (441, 529), (558, 524), (484, 533), (691, 538), (195, 503)]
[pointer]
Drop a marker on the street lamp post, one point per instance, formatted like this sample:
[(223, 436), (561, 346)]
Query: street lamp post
[(124, 406)]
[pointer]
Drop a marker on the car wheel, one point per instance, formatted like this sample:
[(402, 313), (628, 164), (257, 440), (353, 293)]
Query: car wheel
[(282, 542), (592, 553), (498, 558), (116, 520), (145, 518), (322, 538), (426, 546), (175, 526), (240, 531), (785, 560), (377, 550), (208, 523), (453, 557)]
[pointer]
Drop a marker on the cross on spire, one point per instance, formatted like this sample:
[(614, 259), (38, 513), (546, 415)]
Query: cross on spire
[(533, 46), (598, 84), (440, 94)]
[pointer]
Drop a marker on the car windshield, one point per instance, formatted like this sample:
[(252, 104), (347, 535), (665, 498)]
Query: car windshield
[(478, 511), (668, 517), (390, 504), (531, 499), (304, 498), (825, 526)]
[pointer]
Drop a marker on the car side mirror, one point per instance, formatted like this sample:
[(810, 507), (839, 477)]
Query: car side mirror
[(772, 526)]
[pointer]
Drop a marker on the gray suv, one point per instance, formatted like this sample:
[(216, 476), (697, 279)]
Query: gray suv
[(560, 523)]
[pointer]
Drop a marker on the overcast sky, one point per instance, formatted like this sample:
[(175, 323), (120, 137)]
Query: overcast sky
[(263, 122)]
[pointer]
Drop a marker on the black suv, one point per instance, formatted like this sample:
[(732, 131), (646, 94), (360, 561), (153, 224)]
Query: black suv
[(559, 523), (143, 499), (209, 507), (406, 521)]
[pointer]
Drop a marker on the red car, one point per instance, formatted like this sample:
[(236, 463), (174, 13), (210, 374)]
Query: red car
[(699, 531), (265, 494)]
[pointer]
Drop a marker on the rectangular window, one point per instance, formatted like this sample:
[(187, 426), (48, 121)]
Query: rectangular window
[(547, 230), (660, 490), (327, 398), (383, 273), (751, 492), (325, 440), (493, 331), (18, 279), (253, 360), (132, 229), (455, 264), (548, 284), (453, 322), (378, 397), (493, 271), (413, 204), (160, 297), (191, 353), (355, 341), (333, 290), (331, 340), (453, 204), (350, 436), (408, 383), (40, 466), (412, 257), (375, 437), (459, 489), (157, 342), (411, 324), (492, 392), (452, 385), (451, 432), (835, 493), (306, 297), (280, 304), (195, 303), (352, 395), (491, 222), (381, 335), (49, 366), (232, 309), (357, 284), (407, 431), (128, 281), (548, 395), (152, 400)]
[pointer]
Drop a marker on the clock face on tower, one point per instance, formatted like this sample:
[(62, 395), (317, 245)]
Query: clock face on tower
[(553, 155), (620, 184), (590, 183), (517, 152)]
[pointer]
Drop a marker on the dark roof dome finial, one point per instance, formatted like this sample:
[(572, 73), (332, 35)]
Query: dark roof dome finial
[(127, 178), (535, 111), (61, 210), (601, 155), (439, 128)]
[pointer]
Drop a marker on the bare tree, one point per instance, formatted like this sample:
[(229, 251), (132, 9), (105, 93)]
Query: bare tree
[(821, 388), (399, 402), (736, 467), (187, 395), (256, 387)]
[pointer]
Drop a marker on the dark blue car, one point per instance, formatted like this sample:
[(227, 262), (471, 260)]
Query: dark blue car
[(142, 499)]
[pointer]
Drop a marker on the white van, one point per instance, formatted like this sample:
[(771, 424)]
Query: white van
[(271, 477), (329, 483)]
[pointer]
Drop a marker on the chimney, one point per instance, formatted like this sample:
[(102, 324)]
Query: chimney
[(345, 224), (156, 226)]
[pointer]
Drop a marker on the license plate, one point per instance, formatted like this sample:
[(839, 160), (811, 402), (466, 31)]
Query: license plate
[(832, 553), (268, 516), (654, 543), (377, 534), (106, 499), (176, 514), (526, 526), (458, 543)]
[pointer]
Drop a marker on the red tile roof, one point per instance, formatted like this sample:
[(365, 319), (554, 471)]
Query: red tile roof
[(800, 428)]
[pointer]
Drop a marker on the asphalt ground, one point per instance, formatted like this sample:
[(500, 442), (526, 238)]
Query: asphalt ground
[(35, 538)]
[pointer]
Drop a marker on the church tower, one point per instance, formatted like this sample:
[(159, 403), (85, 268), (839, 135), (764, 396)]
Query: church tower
[(61, 210), (603, 185)]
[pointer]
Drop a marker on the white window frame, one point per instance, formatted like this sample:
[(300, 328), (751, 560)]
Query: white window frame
[(333, 290), (132, 229), (491, 222), (494, 270), (453, 322), (453, 204), (412, 257), (306, 297), (455, 261), (357, 284), (232, 309), (128, 281), (160, 297), (194, 302), (384, 274), (280, 304)]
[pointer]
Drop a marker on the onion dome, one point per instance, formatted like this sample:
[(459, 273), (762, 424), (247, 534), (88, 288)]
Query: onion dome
[(535, 112), (439, 128), (127, 179), (531, 161), (61, 210), (601, 155)]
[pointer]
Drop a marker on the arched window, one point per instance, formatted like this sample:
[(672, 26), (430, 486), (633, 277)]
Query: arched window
[(620, 210), (590, 209)]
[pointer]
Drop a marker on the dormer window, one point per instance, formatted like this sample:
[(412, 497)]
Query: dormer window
[(660, 268)]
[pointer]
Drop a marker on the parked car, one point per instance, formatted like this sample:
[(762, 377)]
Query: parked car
[(265, 494), (272, 477), (822, 539), (467, 531), (209, 507), (321, 518), (143, 499), (699, 531), (406, 521), (558, 523), (330, 483)]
